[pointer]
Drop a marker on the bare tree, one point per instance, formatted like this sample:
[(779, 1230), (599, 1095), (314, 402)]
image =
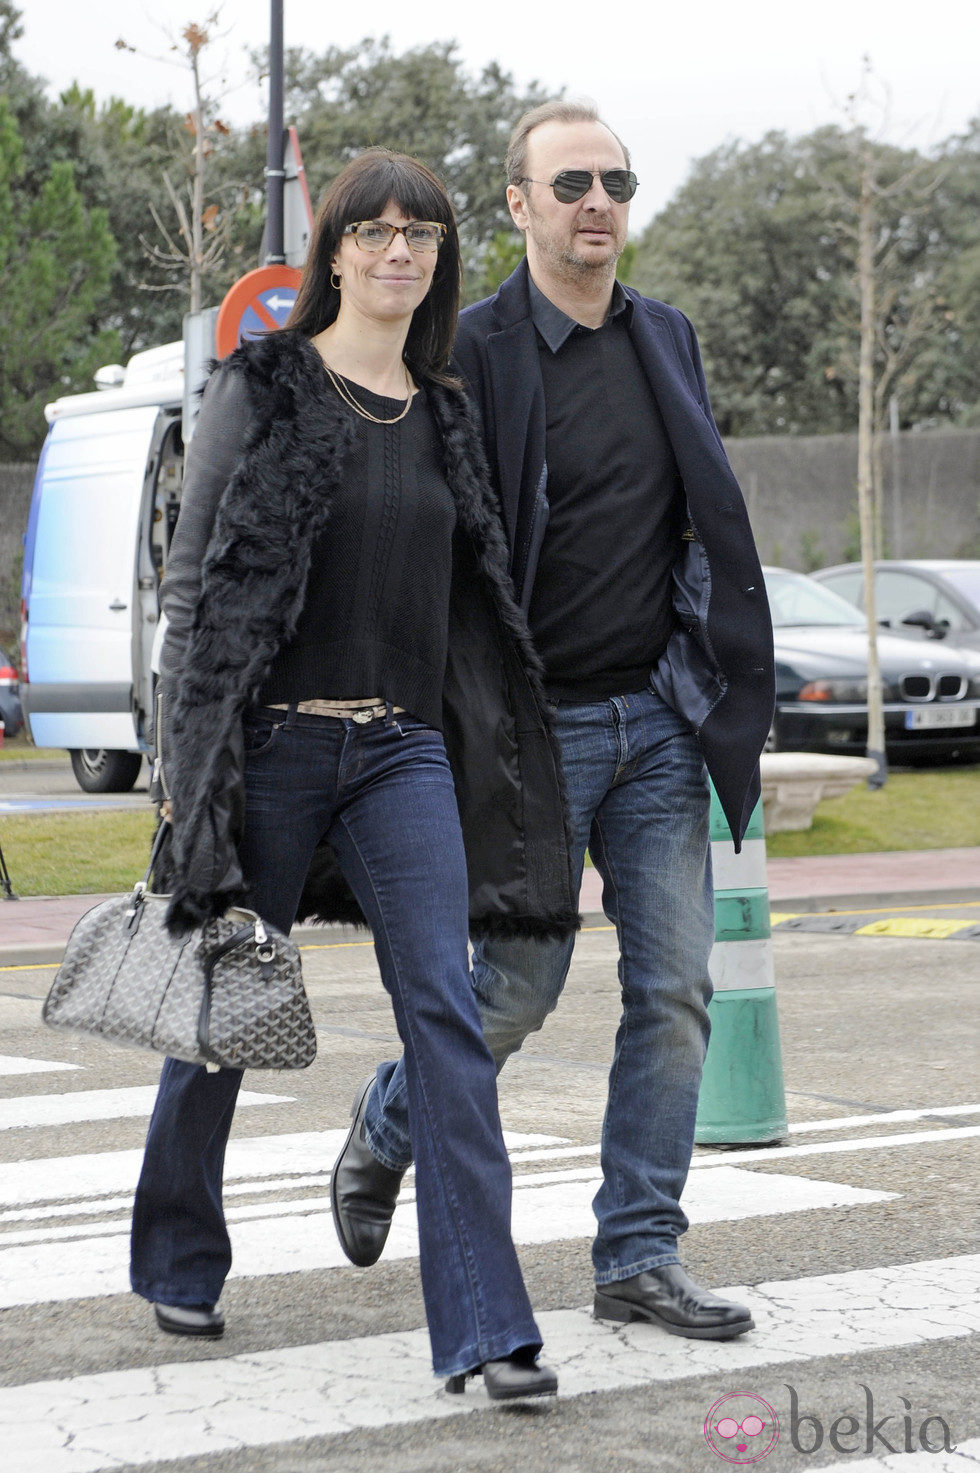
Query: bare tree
[(197, 246), (897, 316)]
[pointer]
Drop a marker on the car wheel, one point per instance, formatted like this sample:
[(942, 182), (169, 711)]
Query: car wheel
[(98, 770)]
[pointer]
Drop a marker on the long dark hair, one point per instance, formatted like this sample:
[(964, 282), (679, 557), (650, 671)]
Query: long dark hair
[(360, 192)]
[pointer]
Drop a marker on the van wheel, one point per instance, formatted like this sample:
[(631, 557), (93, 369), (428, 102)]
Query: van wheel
[(98, 770)]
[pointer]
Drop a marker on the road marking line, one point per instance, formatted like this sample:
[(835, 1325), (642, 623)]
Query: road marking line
[(36, 1112), (936, 927), (786, 1153), (108, 1205), (248, 1161), (14, 1064), (91, 1259), (965, 1455), (833, 1148), (251, 1161), (95, 1423), (724, 1194), (848, 1122)]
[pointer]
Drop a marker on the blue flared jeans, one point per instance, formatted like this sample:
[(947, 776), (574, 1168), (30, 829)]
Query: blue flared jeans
[(638, 799), (383, 797)]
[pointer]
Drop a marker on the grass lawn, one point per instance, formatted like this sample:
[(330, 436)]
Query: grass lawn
[(19, 749), (935, 808), (105, 851), (76, 853)]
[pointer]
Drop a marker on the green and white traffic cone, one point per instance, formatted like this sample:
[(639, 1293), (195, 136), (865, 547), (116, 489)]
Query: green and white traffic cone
[(742, 1100)]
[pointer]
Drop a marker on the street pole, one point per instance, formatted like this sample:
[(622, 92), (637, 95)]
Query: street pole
[(275, 173)]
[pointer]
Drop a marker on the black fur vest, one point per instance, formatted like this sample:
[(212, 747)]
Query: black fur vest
[(254, 560)]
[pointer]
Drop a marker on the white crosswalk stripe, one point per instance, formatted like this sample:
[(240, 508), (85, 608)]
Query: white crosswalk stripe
[(966, 1456), (64, 1223), (92, 1423), (83, 1261), (36, 1111), (11, 1064)]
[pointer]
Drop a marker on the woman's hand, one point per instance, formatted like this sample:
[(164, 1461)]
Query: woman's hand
[(166, 810)]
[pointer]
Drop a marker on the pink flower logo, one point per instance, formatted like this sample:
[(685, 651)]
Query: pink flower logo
[(741, 1428)]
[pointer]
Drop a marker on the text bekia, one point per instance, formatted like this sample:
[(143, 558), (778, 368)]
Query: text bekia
[(894, 1433)]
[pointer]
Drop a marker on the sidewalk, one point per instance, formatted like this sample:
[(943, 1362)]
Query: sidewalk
[(33, 931)]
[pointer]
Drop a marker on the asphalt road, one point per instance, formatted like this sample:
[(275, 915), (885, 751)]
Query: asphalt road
[(852, 1242), (47, 785)]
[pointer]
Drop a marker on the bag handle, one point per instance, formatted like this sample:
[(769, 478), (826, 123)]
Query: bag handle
[(159, 839)]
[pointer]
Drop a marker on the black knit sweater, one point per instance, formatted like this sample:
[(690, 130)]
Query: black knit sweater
[(375, 617)]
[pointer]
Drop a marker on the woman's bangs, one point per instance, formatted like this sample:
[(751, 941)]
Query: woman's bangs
[(412, 192)]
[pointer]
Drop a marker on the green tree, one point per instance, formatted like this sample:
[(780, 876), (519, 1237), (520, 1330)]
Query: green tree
[(56, 261), (421, 102), (119, 155), (950, 366), (755, 246)]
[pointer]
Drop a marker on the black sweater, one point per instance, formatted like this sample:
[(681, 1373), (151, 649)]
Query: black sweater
[(375, 617)]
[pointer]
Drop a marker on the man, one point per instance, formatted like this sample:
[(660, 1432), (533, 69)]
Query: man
[(631, 552)]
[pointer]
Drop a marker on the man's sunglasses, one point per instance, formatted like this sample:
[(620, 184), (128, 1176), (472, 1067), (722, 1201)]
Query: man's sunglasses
[(573, 184), (377, 235)]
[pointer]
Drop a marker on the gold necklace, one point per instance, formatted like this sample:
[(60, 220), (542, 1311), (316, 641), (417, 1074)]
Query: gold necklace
[(348, 397)]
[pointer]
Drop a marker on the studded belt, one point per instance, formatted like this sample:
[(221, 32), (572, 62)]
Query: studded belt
[(360, 711)]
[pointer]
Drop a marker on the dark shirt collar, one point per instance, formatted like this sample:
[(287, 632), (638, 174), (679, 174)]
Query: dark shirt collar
[(556, 327)]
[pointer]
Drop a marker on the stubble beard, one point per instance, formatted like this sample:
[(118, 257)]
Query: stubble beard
[(569, 266)]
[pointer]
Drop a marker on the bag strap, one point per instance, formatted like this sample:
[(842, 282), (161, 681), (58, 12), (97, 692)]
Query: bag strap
[(160, 838)]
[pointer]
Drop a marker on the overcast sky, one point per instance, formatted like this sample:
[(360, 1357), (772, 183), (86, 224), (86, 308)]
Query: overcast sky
[(675, 81)]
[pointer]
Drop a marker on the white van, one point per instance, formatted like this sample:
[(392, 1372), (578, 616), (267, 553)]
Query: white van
[(102, 515)]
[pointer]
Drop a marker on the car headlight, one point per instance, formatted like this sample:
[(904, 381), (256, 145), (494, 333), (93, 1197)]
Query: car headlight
[(851, 692), (834, 690)]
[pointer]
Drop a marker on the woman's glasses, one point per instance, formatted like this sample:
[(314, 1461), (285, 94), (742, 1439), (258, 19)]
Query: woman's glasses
[(377, 235), (573, 184)]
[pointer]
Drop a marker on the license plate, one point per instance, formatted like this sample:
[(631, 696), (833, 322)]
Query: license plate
[(927, 718)]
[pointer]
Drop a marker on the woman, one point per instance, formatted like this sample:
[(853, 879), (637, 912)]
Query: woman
[(349, 698)]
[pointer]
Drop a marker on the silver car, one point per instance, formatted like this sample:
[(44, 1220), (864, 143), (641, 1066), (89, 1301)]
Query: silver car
[(928, 598)]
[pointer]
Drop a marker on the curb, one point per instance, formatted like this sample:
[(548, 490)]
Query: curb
[(50, 953), (803, 915), (37, 764), (874, 901)]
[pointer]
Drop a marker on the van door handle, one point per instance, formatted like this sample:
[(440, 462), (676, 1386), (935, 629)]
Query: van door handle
[(116, 605)]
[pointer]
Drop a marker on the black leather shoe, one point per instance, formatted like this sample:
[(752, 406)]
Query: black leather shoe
[(202, 1320), (513, 1379), (668, 1298), (363, 1192)]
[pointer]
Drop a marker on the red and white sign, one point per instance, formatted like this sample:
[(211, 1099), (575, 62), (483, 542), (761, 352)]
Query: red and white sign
[(258, 303)]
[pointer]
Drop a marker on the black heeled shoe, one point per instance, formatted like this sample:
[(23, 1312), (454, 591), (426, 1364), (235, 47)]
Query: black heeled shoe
[(511, 1379), (202, 1320)]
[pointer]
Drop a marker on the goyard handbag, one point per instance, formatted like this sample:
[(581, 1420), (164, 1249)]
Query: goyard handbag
[(227, 994)]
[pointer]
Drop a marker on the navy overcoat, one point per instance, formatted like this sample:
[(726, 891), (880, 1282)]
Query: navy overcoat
[(717, 670)]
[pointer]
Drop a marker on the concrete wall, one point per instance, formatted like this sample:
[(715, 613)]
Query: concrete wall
[(801, 492)]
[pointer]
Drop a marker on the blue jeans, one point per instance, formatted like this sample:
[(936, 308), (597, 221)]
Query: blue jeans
[(638, 798), (383, 796)]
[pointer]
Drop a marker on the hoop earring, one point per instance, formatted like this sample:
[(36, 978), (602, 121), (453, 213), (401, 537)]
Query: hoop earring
[(335, 280)]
